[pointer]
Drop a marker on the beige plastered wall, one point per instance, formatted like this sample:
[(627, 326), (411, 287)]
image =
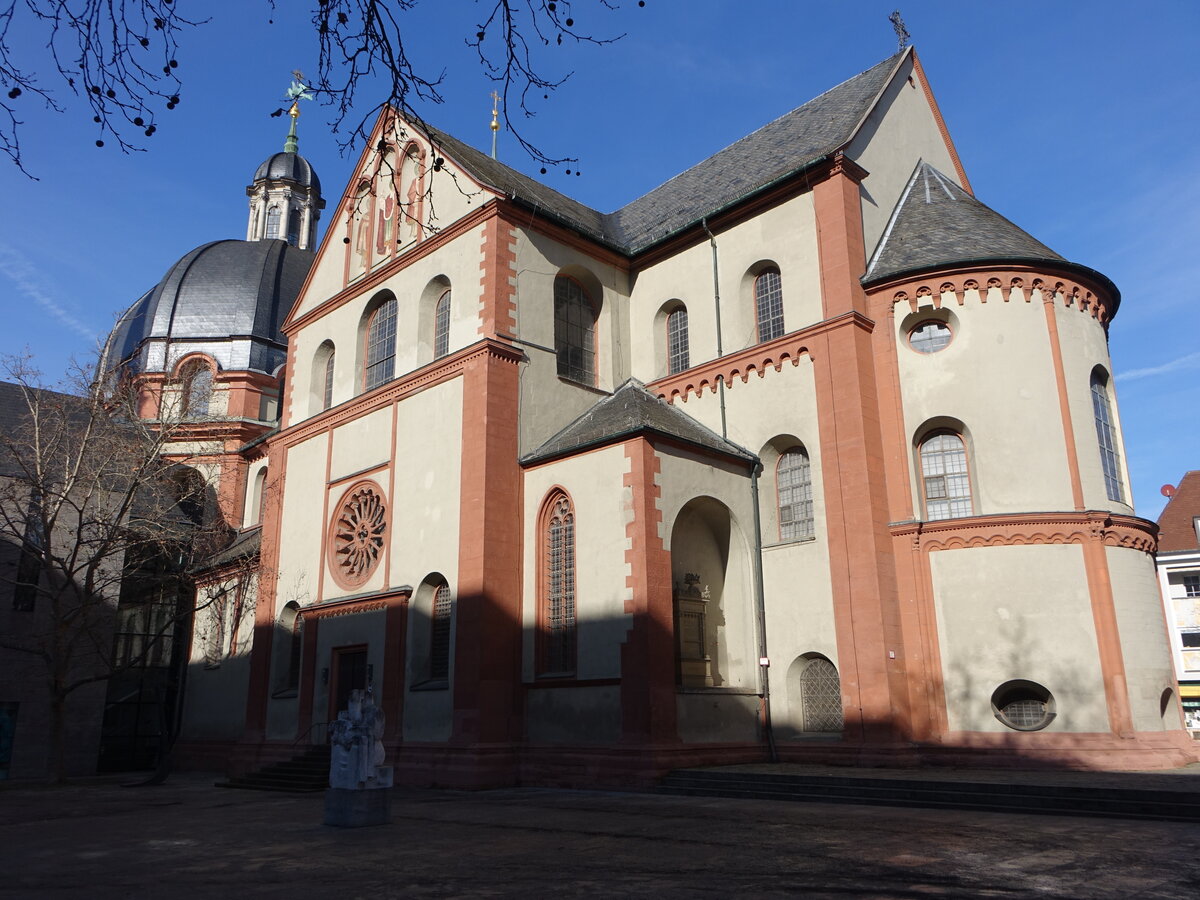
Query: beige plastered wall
[(1018, 612), (603, 507), (451, 194), (997, 378), (783, 236), (1144, 642), (900, 131), (417, 288), (1085, 346)]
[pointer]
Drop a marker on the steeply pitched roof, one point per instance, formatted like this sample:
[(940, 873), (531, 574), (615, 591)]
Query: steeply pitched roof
[(779, 149), (937, 223), (633, 410), (1175, 522), (14, 414)]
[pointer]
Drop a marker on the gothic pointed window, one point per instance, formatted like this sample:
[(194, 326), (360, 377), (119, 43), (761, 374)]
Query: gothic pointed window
[(381, 345), (557, 613), (273, 223), (441, 327), (1106, 438), (793, 482), (944, 477), (439, 633), (678, 350), (574, 331), (768, 304)]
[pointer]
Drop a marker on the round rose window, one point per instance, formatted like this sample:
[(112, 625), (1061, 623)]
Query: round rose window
[(356, 534)]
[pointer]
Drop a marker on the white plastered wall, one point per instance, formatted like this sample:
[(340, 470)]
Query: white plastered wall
[(1085, 346), (548, 402), (302, 536), (899, 132), (997, 378), (784, 235), (1144, 645), (1018, 612)]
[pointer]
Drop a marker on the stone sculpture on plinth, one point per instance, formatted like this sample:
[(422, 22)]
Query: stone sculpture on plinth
[(359, 783)]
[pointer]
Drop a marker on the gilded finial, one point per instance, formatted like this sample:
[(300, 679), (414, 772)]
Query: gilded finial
[(495, 120)]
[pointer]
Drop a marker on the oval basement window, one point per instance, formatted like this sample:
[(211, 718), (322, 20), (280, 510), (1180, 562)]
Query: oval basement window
[(930, 336), (1023, 705)]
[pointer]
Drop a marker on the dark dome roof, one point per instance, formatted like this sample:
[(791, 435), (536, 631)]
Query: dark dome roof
[(289, 167), (226, 298)]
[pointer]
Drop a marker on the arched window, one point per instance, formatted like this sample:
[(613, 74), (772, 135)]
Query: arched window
[(678, 351), (257, 496), (946, 483), (273, 221), (821, 697), (327, 390), (557, 626), (289, 631), (793, 481), (381, 345), (574, 331), (293, 235), (197, 384), (439, 633), (768, 304), (1106, 438), (441, 327)]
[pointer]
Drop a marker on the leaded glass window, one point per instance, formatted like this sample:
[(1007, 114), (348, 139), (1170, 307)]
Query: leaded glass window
[(821, 696), (273, 223), (574, 331), (1107, 439), (381, 345), (929, 337), (558, 619), (441, 327), (327, 398), (793, 477), (944, 476), (678, 351), (439, 638), (768, 304)]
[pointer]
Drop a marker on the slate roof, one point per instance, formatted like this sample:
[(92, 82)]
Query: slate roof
[(633, 410), (1176, 531), (937, 223), (219, 290), (244, 544), (779, 149), (288, 167), (14, 415)]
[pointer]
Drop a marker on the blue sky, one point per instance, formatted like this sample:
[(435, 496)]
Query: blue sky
[(1075, 120)]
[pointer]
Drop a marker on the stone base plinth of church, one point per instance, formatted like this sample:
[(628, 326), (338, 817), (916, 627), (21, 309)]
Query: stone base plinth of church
[(357, 808)]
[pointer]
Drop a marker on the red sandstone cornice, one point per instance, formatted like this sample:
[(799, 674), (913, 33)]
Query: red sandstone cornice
[(753, 360), (1005, 530)]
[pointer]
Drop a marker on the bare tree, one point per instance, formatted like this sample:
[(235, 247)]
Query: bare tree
[(123, 56), (105, 529)]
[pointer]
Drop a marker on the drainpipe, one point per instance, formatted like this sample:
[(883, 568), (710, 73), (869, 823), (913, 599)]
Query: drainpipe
[(760, 602), (717, 307)]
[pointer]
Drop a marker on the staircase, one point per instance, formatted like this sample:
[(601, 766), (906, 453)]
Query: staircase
[(303, 774), (1051, 799)]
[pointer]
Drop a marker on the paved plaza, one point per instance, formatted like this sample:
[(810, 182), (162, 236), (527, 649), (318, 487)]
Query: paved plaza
[(189, 839)]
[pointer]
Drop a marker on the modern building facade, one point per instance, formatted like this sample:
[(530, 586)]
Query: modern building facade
[(1179, 579), (805, 454)]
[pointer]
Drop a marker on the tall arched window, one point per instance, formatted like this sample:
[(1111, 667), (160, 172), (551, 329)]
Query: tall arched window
[(257, 496), (768, 304), (327, 387), (574, 331), (273, 222), (557, 626), (289, 630), (1106, 437), (793, 481), (381, 345), (944, 477), (821, 697), (197, 385), (293, 235), (439, 632), (441, 326), (678, 350)]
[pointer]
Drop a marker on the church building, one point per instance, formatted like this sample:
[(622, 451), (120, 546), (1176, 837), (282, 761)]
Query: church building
[(807, 455)]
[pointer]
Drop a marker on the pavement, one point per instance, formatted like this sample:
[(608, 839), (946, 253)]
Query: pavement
[(187, 838)]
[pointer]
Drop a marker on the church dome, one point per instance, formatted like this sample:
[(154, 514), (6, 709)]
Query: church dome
[(226, 299), (284, 166)]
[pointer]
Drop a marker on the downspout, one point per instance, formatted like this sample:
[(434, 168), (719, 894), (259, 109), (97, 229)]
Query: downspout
[(717, 308), (760, 603)]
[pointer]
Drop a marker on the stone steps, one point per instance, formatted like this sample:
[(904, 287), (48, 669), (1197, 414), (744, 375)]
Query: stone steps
[(1050, 799), (303, 774)]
